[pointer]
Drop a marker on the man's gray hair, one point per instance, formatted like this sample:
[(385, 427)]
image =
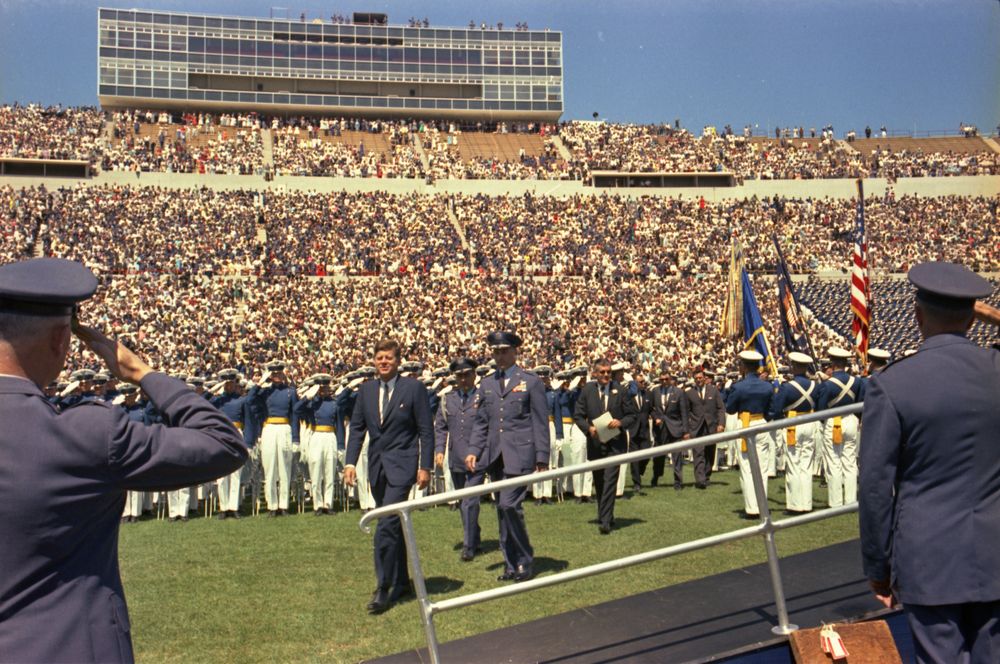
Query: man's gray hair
[(16, 327)]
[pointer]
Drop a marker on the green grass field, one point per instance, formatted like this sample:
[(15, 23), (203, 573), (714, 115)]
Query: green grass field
[(294, 589)]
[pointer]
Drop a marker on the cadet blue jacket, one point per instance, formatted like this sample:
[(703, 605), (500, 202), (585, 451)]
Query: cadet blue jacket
[(830, 392), (513, 422), (555, 411), (788, 395), (62, 490), (751, 395), (237, 408), (275, 401), (929, 487), (454, 422)]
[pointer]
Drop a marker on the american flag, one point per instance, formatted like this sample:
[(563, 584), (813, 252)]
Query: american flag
[(861, 294)]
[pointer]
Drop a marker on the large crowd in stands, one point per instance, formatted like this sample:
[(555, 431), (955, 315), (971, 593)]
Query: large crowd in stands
[(37, 132), (161, 141)]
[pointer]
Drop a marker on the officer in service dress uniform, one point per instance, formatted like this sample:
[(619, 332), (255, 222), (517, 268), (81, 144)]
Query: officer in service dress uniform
[(929, 507), (797, 397), (452, 431), (77, 465), (510, 439)]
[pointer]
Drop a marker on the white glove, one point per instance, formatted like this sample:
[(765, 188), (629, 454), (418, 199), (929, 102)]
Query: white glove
[(357, 381), (70, 389), (312, 392), (118, 400), (251, 385), (573, 383), (445, 391), (556, 384), (437, 383), (264, 377), (219, 389)]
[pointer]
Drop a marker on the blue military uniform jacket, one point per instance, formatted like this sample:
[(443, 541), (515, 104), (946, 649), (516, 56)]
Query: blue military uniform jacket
[(275, 401), (788, 395), (929, 488), (400, 442), (454, 422), (552, 398), (513, 423), (750, 395), (841, 389), (62, 490), (237, 408)]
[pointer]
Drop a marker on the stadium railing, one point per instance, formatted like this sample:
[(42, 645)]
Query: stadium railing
[(765, 529)]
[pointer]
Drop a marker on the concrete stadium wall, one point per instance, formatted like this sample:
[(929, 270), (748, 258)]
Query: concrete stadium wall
[(844, 188)]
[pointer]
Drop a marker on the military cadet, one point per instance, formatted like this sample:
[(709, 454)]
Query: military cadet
[(61, 595), (798, 396), (840, 434), (574, 450), (878, 359), (135, 411), (233, 403), (929, 508), (542, 491), (750, 400), (670, 424), (274, 403), (319, 405), (452, 431), (510, 439), (80, 388)]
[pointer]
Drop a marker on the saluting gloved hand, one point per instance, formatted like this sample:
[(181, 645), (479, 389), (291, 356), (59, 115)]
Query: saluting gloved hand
[(311, 392), (445, 391), (118, 400), (70, 389), (121, 362), (436, 384), (357, 381), (218, 389)]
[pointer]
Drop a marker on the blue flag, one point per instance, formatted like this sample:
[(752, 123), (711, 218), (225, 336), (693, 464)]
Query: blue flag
[(753, 325), (793, 326)]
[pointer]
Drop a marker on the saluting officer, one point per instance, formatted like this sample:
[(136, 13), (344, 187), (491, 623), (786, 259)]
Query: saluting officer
[(510, 439), (750, 400), (840, 434), (453, 425), (61, 595), (797, 397), (230, 399), (274, 402), (929, 507)]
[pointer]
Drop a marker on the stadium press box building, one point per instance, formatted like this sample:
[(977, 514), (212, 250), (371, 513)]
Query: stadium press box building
[(178, 61)]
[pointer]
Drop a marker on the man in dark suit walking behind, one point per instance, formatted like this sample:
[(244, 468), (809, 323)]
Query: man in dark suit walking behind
[(670, 424), (598, 397), (395, 413), (706, 415)]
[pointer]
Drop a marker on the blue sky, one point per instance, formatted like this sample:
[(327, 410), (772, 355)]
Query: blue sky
[(920, 65)]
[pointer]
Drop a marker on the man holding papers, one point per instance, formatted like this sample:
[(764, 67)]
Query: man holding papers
[(604, 413)]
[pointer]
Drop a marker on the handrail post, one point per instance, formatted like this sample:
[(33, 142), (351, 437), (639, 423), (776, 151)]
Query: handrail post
[(783, 627), (420, 585)]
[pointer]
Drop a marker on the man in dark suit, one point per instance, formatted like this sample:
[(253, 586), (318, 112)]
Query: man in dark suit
[(929, 500), (670, 424), (66, 472), (639, 434), (706, 415), (394, 412), (598, 397), (510, 439)]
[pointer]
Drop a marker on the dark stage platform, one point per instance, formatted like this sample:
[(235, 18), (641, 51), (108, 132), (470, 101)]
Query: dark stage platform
[(725, 617)]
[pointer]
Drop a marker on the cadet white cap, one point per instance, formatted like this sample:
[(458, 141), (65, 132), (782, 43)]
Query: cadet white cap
[(878, 354), (750, 356), (839, 353), (799, 358), (619, 366)]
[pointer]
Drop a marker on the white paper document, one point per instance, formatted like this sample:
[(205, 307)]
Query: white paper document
[(604, 432)]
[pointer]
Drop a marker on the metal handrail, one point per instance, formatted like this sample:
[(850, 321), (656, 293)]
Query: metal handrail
[(767, 527)]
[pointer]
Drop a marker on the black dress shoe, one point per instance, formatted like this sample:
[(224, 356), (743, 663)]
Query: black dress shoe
[(319, 512), (678, 487), (605, 530), (468, 555), (701, 486), (222, 516), (379, 603), (403, 592), (523, 573), (282, 512), (654, 481), (272, 514), (233, 514), (750, 517), (508, 575)]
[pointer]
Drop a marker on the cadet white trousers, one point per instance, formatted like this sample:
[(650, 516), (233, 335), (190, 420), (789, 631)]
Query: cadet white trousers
[(133, 504), (574, 452), (178, 502), (798, 465), (365, 499), (322, 461), (228, 487), (763, 442), (544, 489), (276, 457), (841, 461)]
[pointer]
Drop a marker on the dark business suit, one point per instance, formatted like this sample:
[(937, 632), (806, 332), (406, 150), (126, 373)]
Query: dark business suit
[(639, 434), (706, 411), (510, 438), (399, 443), (670, 423), (929, 500), (63, 482), (589, 407)]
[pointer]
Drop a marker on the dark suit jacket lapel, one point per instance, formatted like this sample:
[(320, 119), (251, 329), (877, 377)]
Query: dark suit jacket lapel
[(392, 406)]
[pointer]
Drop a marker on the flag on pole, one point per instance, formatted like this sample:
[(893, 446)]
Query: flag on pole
[(861, 300), (731, 326), (753, 325), (793, 326)]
